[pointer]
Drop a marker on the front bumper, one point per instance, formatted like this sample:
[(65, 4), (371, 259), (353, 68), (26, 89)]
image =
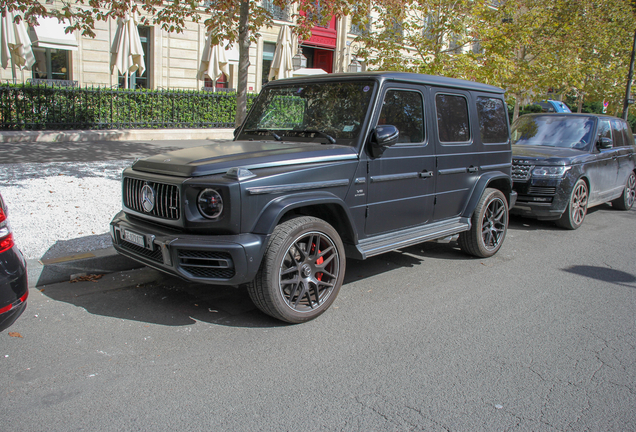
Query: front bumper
[(541, 199), (211, 259)]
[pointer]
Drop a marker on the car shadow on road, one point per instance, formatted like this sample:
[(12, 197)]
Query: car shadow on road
[(604, 274), (149, 296)]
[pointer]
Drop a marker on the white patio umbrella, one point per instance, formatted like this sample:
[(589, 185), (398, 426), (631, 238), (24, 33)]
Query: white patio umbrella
[(127, 52), (15, 44), (282, 62), (213, 61)]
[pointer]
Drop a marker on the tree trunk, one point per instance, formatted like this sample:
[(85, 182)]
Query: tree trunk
[(630, 76), (244, 63), (515, 113), (580, 107)]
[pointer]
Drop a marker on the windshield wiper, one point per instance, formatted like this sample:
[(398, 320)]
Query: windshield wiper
[(331, 139), (267, 131)]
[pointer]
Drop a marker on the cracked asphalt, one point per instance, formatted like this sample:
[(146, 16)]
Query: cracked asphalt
[(540, 337)]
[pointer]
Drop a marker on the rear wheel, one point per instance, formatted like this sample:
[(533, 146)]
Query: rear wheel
[(302, 270), (489, 225), (577, 207), (626, 201)]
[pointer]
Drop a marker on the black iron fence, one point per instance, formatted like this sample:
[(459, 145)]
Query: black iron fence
[(40, 107)]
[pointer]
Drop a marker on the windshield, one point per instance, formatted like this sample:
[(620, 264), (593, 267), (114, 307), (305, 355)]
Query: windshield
[(553, 130), (327, 112)]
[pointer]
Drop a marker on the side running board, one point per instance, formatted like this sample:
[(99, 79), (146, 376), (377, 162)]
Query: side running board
[(400, 239)]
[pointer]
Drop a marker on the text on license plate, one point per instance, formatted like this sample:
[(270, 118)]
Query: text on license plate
[(134, 238)]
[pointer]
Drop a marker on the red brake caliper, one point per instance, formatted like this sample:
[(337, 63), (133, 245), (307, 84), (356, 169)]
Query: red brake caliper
[(318, 261)]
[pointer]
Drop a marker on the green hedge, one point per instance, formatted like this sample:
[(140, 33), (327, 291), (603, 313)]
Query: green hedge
[(36, 107)]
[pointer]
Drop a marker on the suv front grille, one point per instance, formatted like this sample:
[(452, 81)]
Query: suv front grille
[(521, 172), (167, 198), (541, 190), (206, 264)]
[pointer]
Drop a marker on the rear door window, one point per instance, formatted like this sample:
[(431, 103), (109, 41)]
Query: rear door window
[(452, 118), (493, 124)]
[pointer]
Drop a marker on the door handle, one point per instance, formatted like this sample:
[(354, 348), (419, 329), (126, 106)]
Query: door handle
[(426, 174), (472, 169)]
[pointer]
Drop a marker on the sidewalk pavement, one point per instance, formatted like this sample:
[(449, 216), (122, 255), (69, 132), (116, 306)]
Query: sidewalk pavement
[(31, 147)]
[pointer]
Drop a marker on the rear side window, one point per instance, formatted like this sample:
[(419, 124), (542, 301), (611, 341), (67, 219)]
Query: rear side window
[(405, 111), (452, 118), (493, 126), (617, 127)]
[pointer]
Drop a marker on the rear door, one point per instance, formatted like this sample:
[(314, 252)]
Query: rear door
[(457, 152), (401, 182), (624, 153)]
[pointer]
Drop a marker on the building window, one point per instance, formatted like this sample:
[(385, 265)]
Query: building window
[(135, 80), (277, 12), (221, 83), (51, 64), (268, 56)]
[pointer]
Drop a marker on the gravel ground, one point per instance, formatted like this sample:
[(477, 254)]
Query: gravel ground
[(60, 209)]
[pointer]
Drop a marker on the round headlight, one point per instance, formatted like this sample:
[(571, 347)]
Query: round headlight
[(210, 203)]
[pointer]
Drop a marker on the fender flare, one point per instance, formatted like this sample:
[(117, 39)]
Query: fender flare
[(484, 181), (273, 212)]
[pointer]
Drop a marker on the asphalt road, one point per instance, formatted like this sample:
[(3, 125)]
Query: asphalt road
[(541, 337)]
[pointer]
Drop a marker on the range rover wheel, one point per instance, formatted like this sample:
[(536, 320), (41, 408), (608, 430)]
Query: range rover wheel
[(489, 225), (577, 208), (302, 270), (626, 201)]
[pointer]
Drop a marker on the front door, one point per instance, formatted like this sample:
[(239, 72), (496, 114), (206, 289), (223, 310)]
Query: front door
[(401, 182)]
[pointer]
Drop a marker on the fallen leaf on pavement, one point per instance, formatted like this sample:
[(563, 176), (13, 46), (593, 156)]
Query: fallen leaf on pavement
[(87, 278), (15, 334)]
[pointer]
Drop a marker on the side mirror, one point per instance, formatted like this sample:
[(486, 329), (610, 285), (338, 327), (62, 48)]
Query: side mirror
[(604, 143), (382, 138)]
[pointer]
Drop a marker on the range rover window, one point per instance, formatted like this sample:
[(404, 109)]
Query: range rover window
[(604, 129), (493, 124), (618, 133), (553, 130), (452, 118), (405, 110), (330, 112)]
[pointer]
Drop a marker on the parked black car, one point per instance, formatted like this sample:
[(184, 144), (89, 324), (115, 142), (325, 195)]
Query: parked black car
[(14, 288), (322, 168), (564, 164)]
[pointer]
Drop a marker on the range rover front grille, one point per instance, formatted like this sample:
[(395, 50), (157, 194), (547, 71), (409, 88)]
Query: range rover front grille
[(541, 190), (167, 204), (521, 172), (207, 264)]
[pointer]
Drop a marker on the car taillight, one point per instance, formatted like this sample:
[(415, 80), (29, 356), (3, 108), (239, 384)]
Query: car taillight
[(15, 304), (6, 238)]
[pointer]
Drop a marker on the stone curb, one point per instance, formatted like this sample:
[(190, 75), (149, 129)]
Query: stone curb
[(63, 269), (115, 135)]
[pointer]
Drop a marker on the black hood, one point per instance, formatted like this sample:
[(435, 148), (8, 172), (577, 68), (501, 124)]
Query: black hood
[(219, 158), (548, 155)]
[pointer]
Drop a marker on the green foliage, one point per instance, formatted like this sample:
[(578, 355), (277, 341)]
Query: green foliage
[(32, 107)]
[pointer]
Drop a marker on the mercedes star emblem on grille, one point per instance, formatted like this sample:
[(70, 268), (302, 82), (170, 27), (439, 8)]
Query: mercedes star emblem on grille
[(147, 198)]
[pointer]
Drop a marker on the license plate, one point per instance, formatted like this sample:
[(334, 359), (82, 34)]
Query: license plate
[(134, 238)]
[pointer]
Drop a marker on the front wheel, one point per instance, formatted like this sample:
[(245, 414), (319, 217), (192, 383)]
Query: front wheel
[(577, 207), (489, 225), (626, 200), (302, 270)]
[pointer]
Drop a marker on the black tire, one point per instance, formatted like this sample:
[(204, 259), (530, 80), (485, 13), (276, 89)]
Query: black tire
[(574, 215), (301, 272), (489, 225), (626, 200)]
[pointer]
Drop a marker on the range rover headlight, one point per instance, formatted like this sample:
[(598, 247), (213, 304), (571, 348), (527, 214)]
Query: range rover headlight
[(210, 203), (550, 171)]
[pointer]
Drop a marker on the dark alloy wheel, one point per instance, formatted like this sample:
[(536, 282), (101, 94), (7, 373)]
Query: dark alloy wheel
[(302, 270), (489, 225), (577, 207), (626, 200)]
